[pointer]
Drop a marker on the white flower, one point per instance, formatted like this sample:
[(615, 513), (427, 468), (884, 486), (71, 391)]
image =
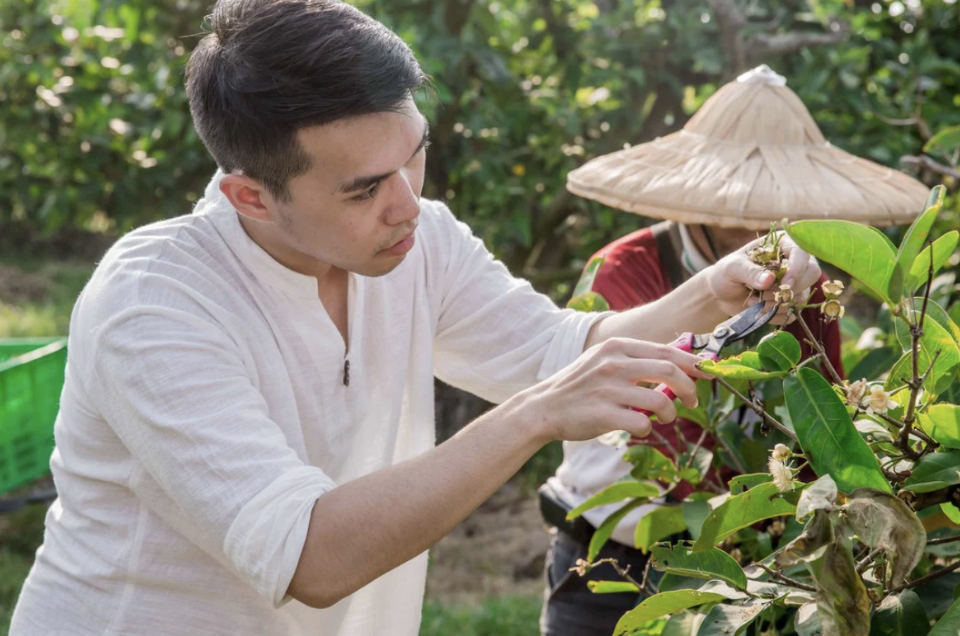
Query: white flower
[(832, 288), (879, 401), (832, 309), (781, 453), (782, 476)]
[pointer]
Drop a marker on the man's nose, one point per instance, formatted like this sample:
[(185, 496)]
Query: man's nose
[(405, 200)]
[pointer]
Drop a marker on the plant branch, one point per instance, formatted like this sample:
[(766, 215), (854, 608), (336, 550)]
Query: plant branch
[(934, 166), (867, 560), (759, 410), (916, 382), (925, 579), (943, 540), (786, 580), (918, 432), (815, 344)]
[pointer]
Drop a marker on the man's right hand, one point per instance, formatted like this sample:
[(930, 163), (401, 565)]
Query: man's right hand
[(600, 390)]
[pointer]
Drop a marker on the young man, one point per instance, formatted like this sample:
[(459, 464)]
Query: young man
[(245, 443), (638, 268)]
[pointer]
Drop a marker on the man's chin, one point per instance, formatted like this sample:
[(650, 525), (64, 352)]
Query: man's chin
[(381, 266)]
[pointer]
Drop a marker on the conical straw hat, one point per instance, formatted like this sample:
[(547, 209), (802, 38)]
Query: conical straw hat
[(751, 155)]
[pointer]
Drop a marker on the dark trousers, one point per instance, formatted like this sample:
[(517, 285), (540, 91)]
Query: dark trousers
[(570, 608)]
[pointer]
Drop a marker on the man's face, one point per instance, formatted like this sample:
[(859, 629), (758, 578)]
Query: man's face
[(357, 206)]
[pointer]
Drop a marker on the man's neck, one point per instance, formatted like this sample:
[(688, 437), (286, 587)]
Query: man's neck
[(262, 235)]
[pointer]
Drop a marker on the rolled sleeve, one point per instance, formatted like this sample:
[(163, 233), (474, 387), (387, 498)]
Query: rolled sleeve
[(175, 389)]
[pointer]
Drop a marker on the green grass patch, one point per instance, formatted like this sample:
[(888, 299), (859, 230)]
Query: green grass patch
[(497, 616), (36, 297)]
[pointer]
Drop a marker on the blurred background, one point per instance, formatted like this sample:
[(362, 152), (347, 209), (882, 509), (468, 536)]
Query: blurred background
[(96, 138)]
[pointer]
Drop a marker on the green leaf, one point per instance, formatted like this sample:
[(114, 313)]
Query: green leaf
[(807, 622), (914, 241), (710, 564), (952, 512), (881, 520), (934, 471), (935, 313), (811, 544), (603, 532), (658, 524), (683, 624), (612, 587), (742, 483), (589, 302), (949, 623), (760, 502), (827, 435), (589, 275), (746, 366), (946, 140), (614, 493), (779, 351), (935, 338), (694, 514), (900, 615), (660, 605), (942, 423), (942, 250), (731, 620), (856, 249), (649, 463)]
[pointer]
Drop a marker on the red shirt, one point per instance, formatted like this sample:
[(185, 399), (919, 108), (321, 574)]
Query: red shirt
[(634, 272)]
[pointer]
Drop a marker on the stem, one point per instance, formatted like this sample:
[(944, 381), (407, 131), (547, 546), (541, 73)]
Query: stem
[(786, 580), (693, 453), (916, 332), (623, 572), (924, 579), (816, 344), (759, 410), (867, 560), (918, 432), (944, 540)]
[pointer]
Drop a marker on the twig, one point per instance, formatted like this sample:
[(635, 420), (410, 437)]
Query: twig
[(928, 163), (867, 560), (740, 467), (783, 578), (623, 572), (916, 332), (924, 579), (816, 345), (687, 464), (918, 432), (944, 540), (759, 410)]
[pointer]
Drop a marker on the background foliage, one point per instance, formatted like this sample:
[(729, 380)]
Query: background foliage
[(95, 131)]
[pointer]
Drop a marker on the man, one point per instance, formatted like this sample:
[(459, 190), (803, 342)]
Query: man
[(638, 268), (245, 443)]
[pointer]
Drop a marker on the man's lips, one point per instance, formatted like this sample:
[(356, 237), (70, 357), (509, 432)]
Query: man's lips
[(402, 246)]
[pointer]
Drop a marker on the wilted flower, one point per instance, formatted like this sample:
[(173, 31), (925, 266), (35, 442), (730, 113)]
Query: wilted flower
[(855, 392), (582, 567), (784, 296), (781, 453), (879, 401), (782, 475), (832, 309), (832, 288)]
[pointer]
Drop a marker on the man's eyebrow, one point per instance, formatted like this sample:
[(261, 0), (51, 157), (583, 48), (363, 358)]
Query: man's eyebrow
[(362, 183)]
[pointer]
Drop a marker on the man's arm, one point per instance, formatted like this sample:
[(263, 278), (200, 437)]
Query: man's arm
[(365, 528), (706, 299)]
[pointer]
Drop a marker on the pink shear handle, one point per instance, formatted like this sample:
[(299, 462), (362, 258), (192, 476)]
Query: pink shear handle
[(685, 343)]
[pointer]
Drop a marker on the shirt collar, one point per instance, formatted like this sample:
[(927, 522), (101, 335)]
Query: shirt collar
[(217, 208), (693, 259)]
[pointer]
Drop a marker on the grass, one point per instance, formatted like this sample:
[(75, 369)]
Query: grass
[(41, 302), (498, 616)]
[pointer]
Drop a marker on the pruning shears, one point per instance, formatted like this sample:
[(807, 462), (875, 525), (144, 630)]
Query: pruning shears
[(731, 330)]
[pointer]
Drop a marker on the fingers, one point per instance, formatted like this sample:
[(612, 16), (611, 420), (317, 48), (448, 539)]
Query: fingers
[(634, 422), (747, 273), (802, 269), (644, 350)]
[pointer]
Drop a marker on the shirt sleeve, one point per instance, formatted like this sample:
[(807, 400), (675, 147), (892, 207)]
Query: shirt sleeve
[(174, 387), (495, 335)]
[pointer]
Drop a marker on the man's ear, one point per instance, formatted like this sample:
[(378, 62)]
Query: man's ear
[(248, 196)]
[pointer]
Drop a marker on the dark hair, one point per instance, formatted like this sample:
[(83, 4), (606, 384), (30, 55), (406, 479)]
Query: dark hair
[(272, 67)]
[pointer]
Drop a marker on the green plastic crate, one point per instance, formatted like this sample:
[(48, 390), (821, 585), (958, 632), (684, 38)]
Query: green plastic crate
[(31, 379)]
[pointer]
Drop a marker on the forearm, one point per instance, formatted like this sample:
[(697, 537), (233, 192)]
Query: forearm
[(690, 307), (371, 525)]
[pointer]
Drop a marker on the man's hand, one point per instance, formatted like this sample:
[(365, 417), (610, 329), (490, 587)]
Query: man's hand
[(596, 394), (731, 279)]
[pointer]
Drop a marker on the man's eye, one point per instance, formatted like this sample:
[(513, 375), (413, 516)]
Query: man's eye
[(368, 194)]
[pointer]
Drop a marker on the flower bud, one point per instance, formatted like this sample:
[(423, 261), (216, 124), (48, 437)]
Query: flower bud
[(781, 453), (763, 254), (832, 309)]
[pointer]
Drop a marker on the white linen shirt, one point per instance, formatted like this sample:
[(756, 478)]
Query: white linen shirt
[(204, 412)]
